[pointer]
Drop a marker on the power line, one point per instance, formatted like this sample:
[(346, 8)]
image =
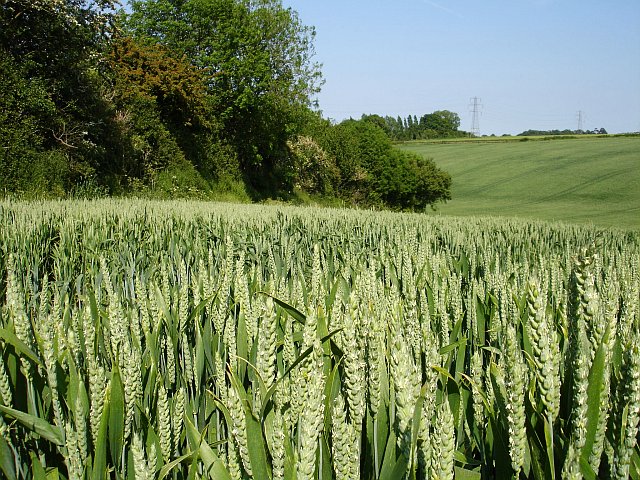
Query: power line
[(475, 106)]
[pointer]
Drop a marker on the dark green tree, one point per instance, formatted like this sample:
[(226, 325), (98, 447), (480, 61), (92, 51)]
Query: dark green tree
[(50, 50), (162, 108), (25, 115), (259, 58), (373, 173), (443, 122), (399, 124)]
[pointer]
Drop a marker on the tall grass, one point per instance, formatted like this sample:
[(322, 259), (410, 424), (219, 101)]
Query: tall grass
[(186, 340)]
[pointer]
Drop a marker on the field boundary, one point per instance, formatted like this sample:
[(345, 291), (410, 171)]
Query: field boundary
[(512, 139)]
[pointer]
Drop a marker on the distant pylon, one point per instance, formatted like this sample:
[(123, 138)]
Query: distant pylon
[(580, 116), (475, 106)]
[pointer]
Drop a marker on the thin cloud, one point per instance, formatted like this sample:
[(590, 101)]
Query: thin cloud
[(443, 8)]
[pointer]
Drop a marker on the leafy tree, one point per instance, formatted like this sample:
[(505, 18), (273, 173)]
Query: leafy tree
[(342, 145), (314, 170), (409, 122), (438, 124), (25, 113), (50, 50), (259, 57), (556, 132), (378, 121), (399, 128), (161, 111), (55, 36), (182, 93), (155, 73), (373, 173), (443, 122)]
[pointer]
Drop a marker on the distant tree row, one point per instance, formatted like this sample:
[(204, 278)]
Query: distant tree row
[(534, 133), (185, 98), (439, 124)]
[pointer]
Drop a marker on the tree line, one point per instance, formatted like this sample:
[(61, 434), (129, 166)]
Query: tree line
[(196, 98), (534, 133), (439, 124)]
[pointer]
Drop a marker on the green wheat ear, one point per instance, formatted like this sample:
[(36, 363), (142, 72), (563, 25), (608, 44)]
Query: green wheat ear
[(186, 340)]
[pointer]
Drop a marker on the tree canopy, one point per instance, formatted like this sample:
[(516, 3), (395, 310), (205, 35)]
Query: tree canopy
[(439, 124), (535, 133), (186, 98), (373, 173), (258, 56), (51, 103)]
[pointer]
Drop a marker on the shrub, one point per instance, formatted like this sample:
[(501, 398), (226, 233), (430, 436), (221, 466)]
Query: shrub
[(314, 171)]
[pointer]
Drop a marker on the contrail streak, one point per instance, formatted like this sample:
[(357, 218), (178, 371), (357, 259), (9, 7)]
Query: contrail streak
[(442, 7)]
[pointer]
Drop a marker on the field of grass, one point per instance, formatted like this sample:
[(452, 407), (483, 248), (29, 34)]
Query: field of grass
[(195, 340), (583, 180)]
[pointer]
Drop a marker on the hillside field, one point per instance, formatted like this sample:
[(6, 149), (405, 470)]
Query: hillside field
[(583, 180)]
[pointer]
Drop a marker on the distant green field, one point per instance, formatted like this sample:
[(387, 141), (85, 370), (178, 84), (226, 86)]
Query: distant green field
[(583, 180)]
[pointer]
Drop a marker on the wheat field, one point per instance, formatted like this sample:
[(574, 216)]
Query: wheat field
[(149, 340)]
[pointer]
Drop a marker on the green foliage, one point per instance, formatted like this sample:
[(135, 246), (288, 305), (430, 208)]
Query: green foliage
[(314, 170), (439, 124), (146, 144), (372, 173), (193, 98), (154, 72), (366, 161), (565, 132), (56, 44), (181, 180), (56, 33), (417, 182), (124, 117), (26, 166), (258, 56), (443, 122), (161, 113), (229, 189)]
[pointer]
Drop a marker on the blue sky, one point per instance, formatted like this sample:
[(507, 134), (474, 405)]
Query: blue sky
[(534, 63)]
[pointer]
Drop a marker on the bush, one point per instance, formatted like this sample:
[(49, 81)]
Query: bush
[(229, 189), (88, 189), (181, 180), (314, 171), (374, 174)]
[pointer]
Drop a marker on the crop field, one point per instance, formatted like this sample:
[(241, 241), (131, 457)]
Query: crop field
[(150, 340), (592, 180)]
